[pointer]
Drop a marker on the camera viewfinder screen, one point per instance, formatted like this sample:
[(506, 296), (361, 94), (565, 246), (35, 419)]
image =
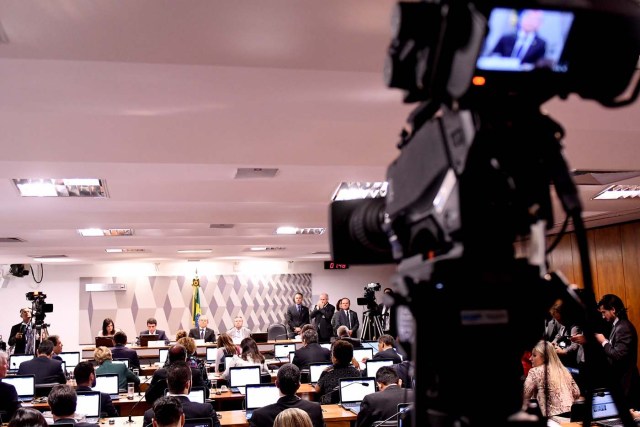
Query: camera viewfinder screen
[(525, 40)]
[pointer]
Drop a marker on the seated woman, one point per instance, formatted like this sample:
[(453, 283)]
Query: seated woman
[(108, 328), (329, 381), (104, 359), (180, 334), (548, 369), (250, 356), (192, 360), (226, 347)]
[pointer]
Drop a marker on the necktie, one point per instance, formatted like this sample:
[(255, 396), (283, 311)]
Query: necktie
[(348, 318), (201, 333), (299, 310)]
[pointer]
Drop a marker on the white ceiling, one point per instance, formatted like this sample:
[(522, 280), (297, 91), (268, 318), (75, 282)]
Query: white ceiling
[(165, 99)]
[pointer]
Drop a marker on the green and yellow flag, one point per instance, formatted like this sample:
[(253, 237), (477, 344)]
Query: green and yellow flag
[(195, 300)]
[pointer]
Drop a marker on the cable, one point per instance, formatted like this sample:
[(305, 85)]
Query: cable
[(34, 275)]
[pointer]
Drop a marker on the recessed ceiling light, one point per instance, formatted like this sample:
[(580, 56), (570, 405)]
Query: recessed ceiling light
[(65, 187), (112, 232), (296, 230), (258, 248), (194, 251), (51, 258), (615, 192), (265, 248), (127, 250), (360, 190), (114, 250)]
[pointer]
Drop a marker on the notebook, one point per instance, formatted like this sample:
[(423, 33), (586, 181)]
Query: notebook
[(259, 395), (196, 394), (353, 390), (603, 409), (71, 358), (281, 351), (107, 383), (211, 354), (89, 405), (16, 359), (240, 376), (25, 386), (362, 353), (315, 369), (125, 362), (198, 422), (374, 364)]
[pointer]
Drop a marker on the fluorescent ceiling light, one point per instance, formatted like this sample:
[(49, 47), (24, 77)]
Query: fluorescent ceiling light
[(615, 192), (112, 232), (114, 250), (65, 187), (127, 250), (360, 190), (51, 258), (258, 248), (296, 230), (194, 251)]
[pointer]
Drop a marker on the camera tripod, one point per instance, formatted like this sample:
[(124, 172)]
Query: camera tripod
[(371, 327)]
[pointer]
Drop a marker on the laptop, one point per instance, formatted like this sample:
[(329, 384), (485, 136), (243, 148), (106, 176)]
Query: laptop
[(105, 342), (198, 422), (144, 339), (196, 394), (372, 345), (125, 362), (292, 354), (259, 395), (227, 363), (604, 412), (374, 364), (316, 369), (164, 354), (362, 353), (16, 359), (89, 405), (108, 383), (25, 386), (281, 351), (211, 354), (326, 345), (240, 376), (71, 358), (353, 390)]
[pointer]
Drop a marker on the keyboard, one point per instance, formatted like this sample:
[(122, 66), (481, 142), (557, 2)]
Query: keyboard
[(614, 422), (353, 407)]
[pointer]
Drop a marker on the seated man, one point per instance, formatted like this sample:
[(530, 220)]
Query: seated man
[(152, 324), (179, 382), (382, 405), (288, 382), (203, 332), (46, 370), (85, 376), (63, 401), (9, 402), (386, 350), (239, 332), (121, 351), (168, 412), (310, 351)]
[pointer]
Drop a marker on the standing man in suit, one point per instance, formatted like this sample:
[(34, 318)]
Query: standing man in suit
[(120, 351), (46, 370), (383, 404), (152, 325), (346, 317), (322, 313), (63, 401), (288, 382), (85, 376), (202, 332), (297, 315), (179, 384), (9, 402), (525, 44), (18, 334)]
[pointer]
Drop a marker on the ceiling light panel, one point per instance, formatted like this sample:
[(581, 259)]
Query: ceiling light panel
[(112, 232), (65, 187), (296, 230), (360, 190), (616, 192)]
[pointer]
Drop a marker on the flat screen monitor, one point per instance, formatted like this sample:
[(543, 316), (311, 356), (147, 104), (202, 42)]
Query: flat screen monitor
[(124, 362), (144, 339), (71, 358), (164, 353), (374, 364), (212, 352), (282, 350), (16, 359), (105, 342), (316, 369), (25, 386), (362, 353), (88, 403), (242, 375)]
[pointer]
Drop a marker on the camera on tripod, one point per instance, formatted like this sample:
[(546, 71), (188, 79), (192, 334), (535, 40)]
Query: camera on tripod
[(369, 298), (39, 308)]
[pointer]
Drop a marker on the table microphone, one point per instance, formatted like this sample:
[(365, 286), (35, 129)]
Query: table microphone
[(130, 420), (144, 382), (336, 388)]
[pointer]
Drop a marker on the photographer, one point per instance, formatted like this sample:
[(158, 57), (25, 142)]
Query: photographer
[(18, 336), (346, 317)]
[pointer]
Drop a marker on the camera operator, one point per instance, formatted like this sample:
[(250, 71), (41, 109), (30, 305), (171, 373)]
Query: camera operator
[(346, 317), (18, 335), (388, 321)]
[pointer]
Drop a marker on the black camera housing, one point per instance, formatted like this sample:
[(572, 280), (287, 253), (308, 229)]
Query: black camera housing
[(39, 308)]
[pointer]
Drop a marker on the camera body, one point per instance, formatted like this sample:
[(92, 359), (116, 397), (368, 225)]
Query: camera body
[(369, 298), (39, 308)]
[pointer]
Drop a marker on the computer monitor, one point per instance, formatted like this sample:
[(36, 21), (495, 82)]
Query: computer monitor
[(88, 404), (212, 352), (105, 342), (16, 359), (125, 362), (164, 354), (71, 358), (362, 353), (374, 364), (25, 386), (282, 350), (144, 339), (316, 369), (242, 375)]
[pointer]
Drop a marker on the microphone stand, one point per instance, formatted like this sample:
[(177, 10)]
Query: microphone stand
[(130, 420)]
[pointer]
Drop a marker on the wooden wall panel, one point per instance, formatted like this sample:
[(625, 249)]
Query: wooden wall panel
[(608, 254), (562, 258), (630, 234)]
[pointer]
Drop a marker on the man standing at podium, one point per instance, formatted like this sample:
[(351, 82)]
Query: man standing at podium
[(202, 332)]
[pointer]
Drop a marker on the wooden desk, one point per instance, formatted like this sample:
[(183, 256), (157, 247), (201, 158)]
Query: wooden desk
[(123, 405), (334, 416), (147, 352)]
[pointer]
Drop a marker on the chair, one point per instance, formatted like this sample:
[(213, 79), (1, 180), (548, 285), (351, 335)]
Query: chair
[(276, 331), (389, 423), (43, 390)]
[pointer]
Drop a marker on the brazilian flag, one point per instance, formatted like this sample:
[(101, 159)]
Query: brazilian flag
[(196, 311)]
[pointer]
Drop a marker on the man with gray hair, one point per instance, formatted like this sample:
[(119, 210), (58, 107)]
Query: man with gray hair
[(288, 381), (202, 332), (310, 351), (8, 396), (238, 332)]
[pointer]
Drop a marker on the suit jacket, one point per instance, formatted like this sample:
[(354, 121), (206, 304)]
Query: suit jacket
[(534, 53), (8, 401), (159, 384), (293, 319), (122, 352), (309, 354), (388, 354), (159, 332), (340, 318), (238, 335), (106, 405), (209, 334), (47, 371), (124, 375), (18, 344), (191, 410), (622, 354), (388, 319), (322, 317), (382, 405), (265, 416)]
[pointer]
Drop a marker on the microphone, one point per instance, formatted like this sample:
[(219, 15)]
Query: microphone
[(336, 388), (130, 420), (144, 382), (401, 411)]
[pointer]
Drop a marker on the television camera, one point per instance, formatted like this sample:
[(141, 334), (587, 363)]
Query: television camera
[(39, 308), (472, 178), (369, 298), (371, 322)]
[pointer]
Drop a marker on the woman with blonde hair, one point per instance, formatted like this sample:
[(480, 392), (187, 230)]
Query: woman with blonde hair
[(549, 378), (226, 347), (292, 417), (180, 334), (103, 357)]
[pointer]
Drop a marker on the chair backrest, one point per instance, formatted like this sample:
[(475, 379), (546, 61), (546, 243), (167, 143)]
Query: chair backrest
[(276, 331)]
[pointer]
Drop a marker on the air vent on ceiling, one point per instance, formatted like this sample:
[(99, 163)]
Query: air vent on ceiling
[(221, 226), (10, 240), (593, 177), (255, 173)]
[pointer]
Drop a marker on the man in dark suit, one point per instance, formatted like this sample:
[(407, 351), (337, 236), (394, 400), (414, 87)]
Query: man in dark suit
[(202, 332), (177, 353), (386, 350), (63, 401), (46, 370), (310, 351), (297, 315), (346, 317), (179, 382), (18, 334), (120, 351), (167, 412), (152, 325), (288, 381), (57, 347), (525, 45), (85, 376), (8, 396), (383, 404), (322, 313)]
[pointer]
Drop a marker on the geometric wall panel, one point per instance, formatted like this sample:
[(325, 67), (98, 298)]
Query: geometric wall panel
[(260, 299)]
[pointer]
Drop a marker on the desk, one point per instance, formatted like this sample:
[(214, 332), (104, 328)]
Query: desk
[(230, 401), (333, 415), (123, 405)]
